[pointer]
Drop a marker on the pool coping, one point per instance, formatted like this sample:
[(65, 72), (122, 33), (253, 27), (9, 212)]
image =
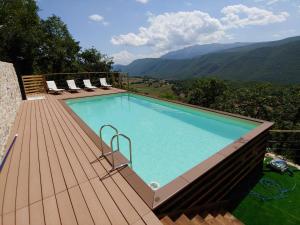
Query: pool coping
[(156, 198)]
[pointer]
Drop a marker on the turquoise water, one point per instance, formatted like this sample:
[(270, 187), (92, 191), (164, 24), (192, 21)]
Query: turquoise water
[(167, 139)]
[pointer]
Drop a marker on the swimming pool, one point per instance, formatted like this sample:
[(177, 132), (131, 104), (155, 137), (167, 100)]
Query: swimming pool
[(168, 139)]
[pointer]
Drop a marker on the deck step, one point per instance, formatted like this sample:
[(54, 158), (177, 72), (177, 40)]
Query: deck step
[(183, 220), (209, 219), (220, 218), (167, 221), (232, 219), (198, 220), (224, 218)]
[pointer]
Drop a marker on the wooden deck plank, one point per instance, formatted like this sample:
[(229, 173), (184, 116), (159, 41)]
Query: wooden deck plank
[(132, 196), (9, 202), (36, 213), (56, 171), (138, 203), (95, 151), (139, 222), (150, 218), (76, 143), (128, 209), (109, 205), (45, 171), (95, 207), (5, 169), (9, 218), (35, 189), (66, 147), (22, 216), (22, 199), (80, 208), (67, 215), (51, 211), (124, 205), (68, 174), (52, 159)]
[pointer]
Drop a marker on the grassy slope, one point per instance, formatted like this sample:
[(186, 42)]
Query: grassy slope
[(164, 91), (253, 211)]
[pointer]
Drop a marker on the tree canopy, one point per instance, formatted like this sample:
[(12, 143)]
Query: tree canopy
[(38, 45), (19, 33), (266, 101)]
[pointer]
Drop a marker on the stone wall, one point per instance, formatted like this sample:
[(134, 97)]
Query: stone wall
[(10, 99)]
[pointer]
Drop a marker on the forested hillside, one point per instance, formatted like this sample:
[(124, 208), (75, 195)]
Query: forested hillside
[(276, 62)]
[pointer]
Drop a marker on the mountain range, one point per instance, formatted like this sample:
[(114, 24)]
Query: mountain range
[(275, 61)]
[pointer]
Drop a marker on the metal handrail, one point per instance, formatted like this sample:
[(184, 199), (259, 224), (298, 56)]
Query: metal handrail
[(114, 167), (100, 133)]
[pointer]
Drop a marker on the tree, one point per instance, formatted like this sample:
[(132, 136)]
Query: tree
[(19, 34), (39, 46), (58, 51), (91, 60), (204, 92)]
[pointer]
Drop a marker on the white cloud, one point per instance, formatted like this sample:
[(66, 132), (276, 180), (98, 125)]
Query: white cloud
[(271, 2), (96, 18), (171, 31), (105, 23), (99, 19), (241, 16), (124, 57), (174, 30), (143, 1)]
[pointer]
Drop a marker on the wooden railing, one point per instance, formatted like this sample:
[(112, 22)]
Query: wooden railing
[(34, 84), (285, 143)]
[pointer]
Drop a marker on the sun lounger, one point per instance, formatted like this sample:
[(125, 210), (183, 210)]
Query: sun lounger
[(88, 85), (104, 83), (52, 87), (72, 86)]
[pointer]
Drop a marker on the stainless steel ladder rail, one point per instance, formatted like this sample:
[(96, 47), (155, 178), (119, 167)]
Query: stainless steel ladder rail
[(100, 133), (114, 167)]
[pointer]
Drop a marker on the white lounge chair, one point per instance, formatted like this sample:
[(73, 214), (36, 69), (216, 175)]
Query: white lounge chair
[(72, 86), (52, 87), (88, 85), (104, 83)]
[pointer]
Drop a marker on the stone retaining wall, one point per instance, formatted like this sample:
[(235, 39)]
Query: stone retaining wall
[(10, 99)]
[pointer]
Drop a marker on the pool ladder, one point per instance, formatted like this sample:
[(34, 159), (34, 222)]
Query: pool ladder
[(116, 136)]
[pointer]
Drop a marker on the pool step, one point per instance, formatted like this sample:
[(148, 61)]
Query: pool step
[(207, 219)]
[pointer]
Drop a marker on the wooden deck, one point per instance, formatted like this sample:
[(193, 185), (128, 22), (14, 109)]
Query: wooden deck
[(48, 177)]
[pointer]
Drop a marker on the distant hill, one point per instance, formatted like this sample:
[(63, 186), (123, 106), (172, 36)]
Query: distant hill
[(277, 61), (199, 50)]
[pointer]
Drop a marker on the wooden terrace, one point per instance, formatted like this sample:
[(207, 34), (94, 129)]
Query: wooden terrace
[(49, 178)]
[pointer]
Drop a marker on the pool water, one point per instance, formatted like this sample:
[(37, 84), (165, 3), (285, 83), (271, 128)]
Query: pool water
[(168, 139)]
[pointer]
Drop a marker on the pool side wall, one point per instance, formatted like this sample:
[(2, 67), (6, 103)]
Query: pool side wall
[(209, 181), (213, 179)]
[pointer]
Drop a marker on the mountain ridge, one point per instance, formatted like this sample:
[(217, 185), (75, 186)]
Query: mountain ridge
[(199, 50), (276, 61)]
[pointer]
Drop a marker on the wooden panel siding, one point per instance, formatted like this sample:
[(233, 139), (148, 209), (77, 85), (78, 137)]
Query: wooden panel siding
[(49, 177), (33, 84)]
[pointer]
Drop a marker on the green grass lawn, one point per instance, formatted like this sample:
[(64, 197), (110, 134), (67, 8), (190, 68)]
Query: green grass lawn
[(279, 209), (164, 91)]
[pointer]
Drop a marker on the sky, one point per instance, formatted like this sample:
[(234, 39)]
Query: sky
[(130, 29)]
